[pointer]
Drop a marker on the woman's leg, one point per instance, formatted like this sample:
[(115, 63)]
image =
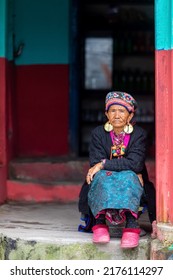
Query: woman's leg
[(101, 220), (131, 232), (131, 221)]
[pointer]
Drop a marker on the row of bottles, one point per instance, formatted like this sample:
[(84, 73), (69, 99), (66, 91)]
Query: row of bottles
[(133, 15), (138, 42), (135, 81), (143, 114), (92, 115), (141, 1)]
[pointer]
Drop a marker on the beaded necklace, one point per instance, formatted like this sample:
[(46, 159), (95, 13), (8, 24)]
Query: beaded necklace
[(118, 148)]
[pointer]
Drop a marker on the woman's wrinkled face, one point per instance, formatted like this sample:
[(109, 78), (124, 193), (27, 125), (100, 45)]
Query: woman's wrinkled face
[(118, 116)]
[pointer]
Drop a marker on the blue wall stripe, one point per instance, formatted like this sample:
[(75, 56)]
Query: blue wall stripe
[(43, 27), (164, 24), (2, 28)]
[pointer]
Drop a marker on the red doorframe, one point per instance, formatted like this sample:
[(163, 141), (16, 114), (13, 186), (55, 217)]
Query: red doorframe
[(3, 143)]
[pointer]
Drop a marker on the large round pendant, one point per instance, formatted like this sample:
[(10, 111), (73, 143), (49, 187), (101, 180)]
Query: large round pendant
[(108, 127), (128, 128)]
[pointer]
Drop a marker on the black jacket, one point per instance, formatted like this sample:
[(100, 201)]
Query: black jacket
[(135, 154)]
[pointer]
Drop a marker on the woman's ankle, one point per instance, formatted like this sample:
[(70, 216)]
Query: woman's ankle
[(136, 230), (131, 221)]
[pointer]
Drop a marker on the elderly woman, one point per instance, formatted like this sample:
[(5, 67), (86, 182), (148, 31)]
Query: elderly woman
[(117, 157)]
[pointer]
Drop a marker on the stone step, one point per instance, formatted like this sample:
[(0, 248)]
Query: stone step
[(23, 191), (49, 231), (48, 180), (54, 170), (45, 180), (48, 170)]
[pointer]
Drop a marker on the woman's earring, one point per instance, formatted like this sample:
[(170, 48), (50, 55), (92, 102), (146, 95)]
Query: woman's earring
[(108, 127), (128, 128)]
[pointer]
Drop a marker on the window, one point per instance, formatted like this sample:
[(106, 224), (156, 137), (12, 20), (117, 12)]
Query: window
[(98, 63)]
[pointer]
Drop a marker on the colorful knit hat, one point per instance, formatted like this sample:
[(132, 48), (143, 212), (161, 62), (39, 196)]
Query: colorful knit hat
[(120, 98)]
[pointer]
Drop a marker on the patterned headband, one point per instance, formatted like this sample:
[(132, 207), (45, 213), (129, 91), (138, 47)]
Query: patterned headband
[(120, 98)]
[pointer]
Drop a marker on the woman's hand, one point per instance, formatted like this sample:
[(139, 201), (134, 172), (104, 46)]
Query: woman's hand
[(140, 179), (92, 171)]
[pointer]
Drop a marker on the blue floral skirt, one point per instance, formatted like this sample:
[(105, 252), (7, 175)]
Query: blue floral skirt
[(116, 192)]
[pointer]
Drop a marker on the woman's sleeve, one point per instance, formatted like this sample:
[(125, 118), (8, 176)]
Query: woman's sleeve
[(97, 150), (135, 157)]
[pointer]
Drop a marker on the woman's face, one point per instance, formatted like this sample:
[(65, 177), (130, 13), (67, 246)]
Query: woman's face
[(118, 116)]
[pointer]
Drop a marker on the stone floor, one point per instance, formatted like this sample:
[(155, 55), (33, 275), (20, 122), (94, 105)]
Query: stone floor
[(45, 220), (57, 224)]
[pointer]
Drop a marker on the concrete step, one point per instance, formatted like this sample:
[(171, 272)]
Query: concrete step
[(45, 231), (48, 170), (22, 190), (46, 179), (52, 179)]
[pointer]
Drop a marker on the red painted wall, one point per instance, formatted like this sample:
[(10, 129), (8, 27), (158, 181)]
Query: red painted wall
[(164, 135), (41, 110), (3, 148)]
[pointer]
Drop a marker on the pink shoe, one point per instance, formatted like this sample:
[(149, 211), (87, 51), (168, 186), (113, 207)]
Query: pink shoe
[(101, 234), (130, 238)]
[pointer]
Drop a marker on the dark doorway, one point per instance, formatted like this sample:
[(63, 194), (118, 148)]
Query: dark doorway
[(116, 40)]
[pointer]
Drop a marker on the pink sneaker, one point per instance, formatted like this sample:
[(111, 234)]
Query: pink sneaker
[(101, 234), (130, 238)]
